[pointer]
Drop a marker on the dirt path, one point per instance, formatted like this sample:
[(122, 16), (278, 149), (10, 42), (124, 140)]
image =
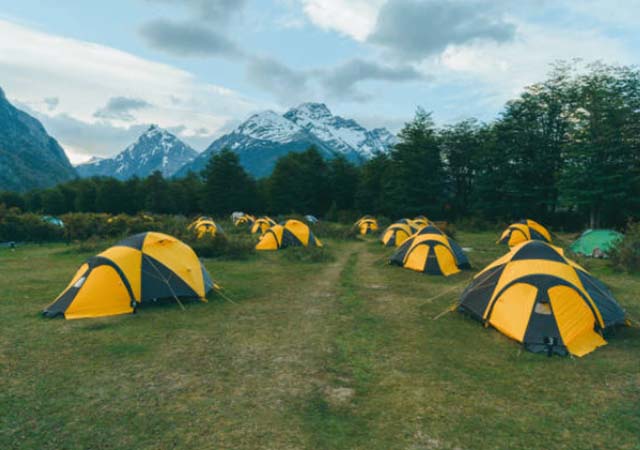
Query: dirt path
[(278, 353)]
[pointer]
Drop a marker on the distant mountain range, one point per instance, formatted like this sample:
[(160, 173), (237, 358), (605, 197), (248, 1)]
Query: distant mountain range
[(156, 149), (265, 137), (29, 157)]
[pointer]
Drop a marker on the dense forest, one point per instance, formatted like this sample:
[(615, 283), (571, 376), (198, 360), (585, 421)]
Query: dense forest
[(566, 152)]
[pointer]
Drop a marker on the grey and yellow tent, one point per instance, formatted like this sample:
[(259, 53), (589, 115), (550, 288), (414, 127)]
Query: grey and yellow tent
[(262, 224), (524, 230), (246, 219), (414, 226), (432, 252), (366, 225), (205, 226), (140, 269), (291, 233), (537, 296), (420, 221), (396, 234)]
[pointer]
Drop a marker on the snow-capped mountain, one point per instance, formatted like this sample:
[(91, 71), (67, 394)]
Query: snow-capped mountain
[(345, 136), (265, 137), (29, 157), (155, 149)]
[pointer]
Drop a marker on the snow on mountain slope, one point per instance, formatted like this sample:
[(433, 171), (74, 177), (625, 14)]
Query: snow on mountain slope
[(343, 135), (155, 149), (269, 126), (264, 137)]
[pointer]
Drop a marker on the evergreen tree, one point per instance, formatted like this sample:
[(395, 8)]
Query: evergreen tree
[(187, 193), (368, 198), (299, 183), (227, 186), (86, 194), (343, 182), (602, 174), (415, 182), (460, 147), (137, 196), (158, 197), (53, 201), (112, 196)]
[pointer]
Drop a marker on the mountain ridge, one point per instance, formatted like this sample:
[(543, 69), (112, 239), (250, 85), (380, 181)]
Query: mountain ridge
[(264, 137), (29, 157), (155, 149)]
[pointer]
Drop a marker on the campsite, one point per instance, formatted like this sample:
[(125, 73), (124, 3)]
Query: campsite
[(319, 225), (339, 351)]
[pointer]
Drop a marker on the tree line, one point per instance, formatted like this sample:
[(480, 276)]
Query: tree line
[(565, 152)]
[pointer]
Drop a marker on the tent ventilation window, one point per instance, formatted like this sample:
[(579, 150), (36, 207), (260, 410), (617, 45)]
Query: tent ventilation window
[(543, 308)]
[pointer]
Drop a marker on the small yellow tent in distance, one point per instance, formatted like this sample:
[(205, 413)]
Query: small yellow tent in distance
[(539, 297), (420, 221), (204, 226), (524, 230), (138, 270), (262, 224), (366, 225), (246, 219), (291, 233)]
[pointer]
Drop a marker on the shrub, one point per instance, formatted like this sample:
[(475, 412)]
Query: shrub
[(29, 227), (451, 230), (626, 255), (332, 230), (478, 224), (223, 247)]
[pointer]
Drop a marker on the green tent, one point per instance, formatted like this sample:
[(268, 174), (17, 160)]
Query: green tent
[(53, 221), (596, 243)]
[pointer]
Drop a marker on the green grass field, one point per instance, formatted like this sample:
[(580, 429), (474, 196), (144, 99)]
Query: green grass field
[(342, 354)]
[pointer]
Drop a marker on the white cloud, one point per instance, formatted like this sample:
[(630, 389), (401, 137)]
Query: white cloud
[(354, 18), (35, 65), (494, 73), (624, 13)]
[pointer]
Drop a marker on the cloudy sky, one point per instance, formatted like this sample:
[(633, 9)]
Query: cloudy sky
[(97, 73)]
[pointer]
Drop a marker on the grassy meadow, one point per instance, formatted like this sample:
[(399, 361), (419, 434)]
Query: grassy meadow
[(341, 352)]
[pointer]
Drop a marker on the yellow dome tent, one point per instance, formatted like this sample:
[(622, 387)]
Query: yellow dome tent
[(420, 221), (246, 219), (367, 225), (432, 252), (396, 234), (537, 296), (262, 224), (414, 226), (524, 230), (140, 269), (204, 226), (292, 233)]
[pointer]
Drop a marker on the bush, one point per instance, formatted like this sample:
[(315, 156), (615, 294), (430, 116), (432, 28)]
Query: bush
[(332, 230), (626, 255), (223, 247), (479, 224), (29, 227), (308, 254)]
